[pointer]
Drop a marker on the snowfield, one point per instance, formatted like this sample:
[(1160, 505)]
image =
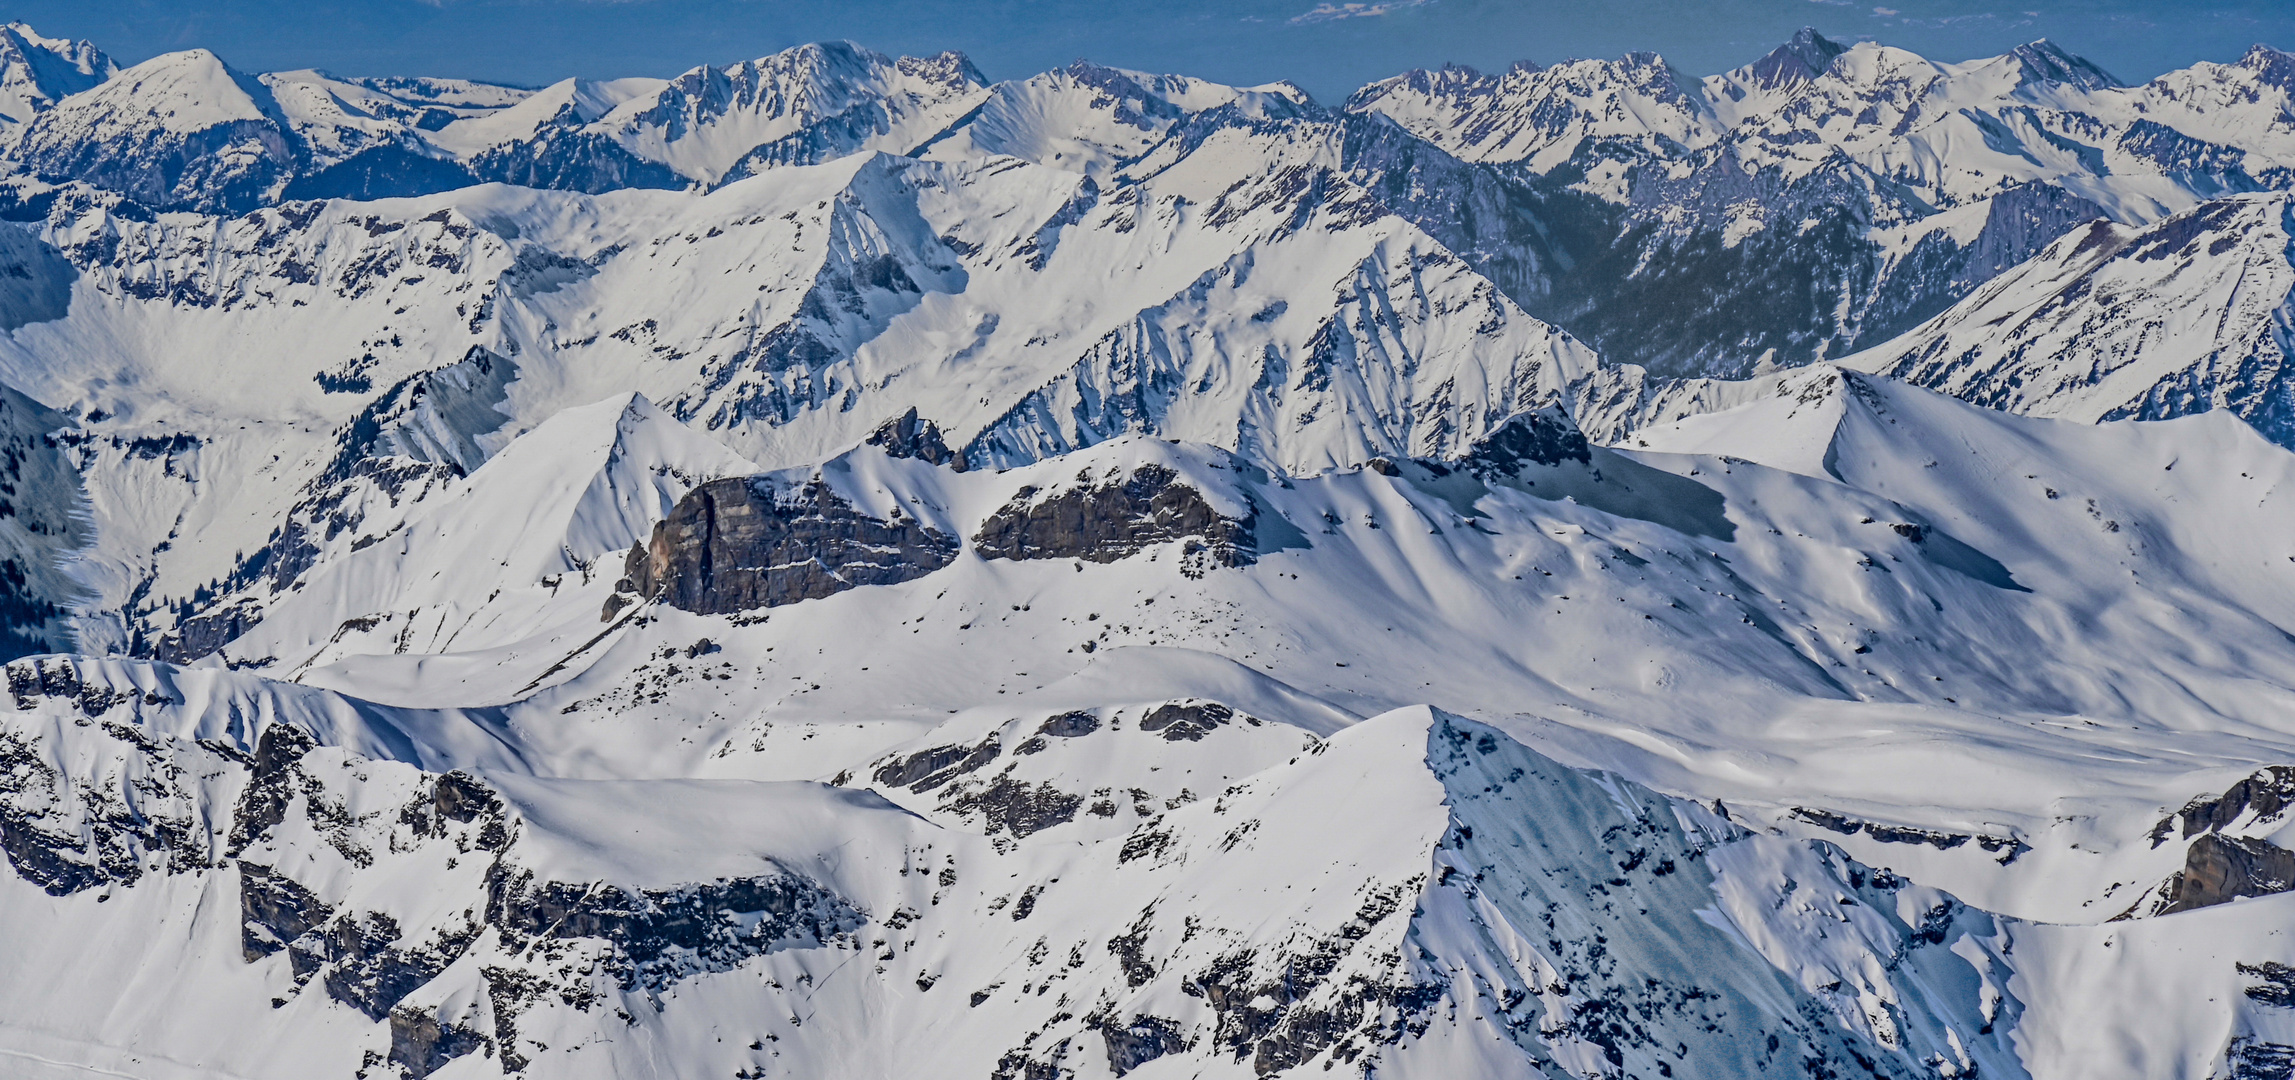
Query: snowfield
[(826, 566)]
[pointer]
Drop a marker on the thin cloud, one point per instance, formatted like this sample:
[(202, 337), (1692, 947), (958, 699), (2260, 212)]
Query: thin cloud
[(1330, 12)]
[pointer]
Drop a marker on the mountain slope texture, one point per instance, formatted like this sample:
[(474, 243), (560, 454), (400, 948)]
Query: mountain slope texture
[(827, 565)]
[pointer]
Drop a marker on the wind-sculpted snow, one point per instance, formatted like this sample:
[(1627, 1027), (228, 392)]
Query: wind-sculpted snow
[(407, 565)]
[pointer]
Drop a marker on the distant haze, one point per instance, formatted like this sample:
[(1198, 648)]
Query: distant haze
[(1327, 46)]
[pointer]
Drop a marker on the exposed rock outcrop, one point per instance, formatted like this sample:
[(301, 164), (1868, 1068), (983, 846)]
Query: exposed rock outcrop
[(1115, 521), (2007, 848), (1186, 721), (928, 769), (2268, 793), (68, 835), (661, 936), (202, 634), (908, 436), (2218, 869), (1544, 436), (421, 1044), (741, 543), (1016, 806), (1131, 1045)]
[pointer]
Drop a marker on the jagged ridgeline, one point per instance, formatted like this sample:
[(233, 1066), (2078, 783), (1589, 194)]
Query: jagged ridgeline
[(1691, 226), (506, 922), (787, 251), (832, 566)]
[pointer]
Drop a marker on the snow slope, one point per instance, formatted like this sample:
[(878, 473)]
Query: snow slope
[(1022, 309), (825, 566), (2188, 315), (588, 483), (36, 71), (1159, 790), (1847, 580)]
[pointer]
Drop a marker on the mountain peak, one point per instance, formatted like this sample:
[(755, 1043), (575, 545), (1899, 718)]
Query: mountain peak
[(198, 59), (1807, 55), (36, 72), (194, 86), (948, 67), (183, 106), (1643, 58), (2272, 65), (2044, 61), (1090, 73)]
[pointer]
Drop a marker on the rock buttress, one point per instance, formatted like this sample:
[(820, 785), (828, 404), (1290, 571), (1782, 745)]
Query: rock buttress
[(738, 544), (1115, 521)]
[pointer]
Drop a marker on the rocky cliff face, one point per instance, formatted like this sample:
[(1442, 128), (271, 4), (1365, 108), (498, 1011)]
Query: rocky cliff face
[(743, 543), (2224, 861), (1397, 889), (2219, 869), (280, 825), (1116, 519), (908, 436), (1545, 437)]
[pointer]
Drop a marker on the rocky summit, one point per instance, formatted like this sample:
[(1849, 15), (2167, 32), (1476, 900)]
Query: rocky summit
[(828, 565)]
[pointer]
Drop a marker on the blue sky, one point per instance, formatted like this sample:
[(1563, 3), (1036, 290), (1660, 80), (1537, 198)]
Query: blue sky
[(1327, 46)]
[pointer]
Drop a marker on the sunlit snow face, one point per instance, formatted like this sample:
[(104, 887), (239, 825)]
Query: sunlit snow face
[(1582, 570)]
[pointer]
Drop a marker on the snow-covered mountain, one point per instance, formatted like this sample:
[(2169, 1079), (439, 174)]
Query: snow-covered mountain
[(36, 72), (1170, 816), (712, 125), (298, 135), (1817, 201), (1025, 310), (2194, 313), (180, 130), (1862, 187), (826, 565), (1821, 199)]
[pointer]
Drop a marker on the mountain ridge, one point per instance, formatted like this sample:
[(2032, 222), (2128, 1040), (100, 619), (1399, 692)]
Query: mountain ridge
[(827, 564), (1586, 235)]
